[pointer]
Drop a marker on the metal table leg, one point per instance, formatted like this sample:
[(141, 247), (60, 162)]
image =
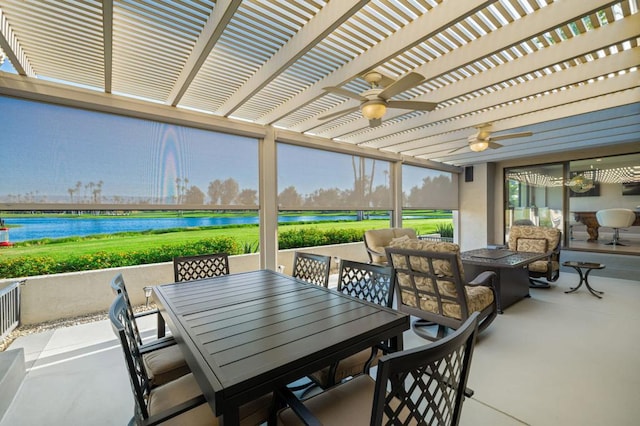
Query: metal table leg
[(584, 278)]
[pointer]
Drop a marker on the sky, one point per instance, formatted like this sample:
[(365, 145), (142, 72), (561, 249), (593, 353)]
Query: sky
[(47, 149)]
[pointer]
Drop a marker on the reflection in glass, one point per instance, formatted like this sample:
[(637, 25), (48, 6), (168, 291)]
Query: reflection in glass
[(534, 196)]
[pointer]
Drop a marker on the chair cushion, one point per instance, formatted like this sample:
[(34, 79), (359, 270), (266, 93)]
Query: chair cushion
[(164, 365), (398, 239), (541, 266), (478, 297), (184, 388), (441, 267), (350, 366), (552, 235), (533, 245), (349, 403), (176, 392), (378, 239)]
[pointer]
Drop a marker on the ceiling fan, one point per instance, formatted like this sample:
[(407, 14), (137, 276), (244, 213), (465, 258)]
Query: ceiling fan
[(375, 101), (482, 140)]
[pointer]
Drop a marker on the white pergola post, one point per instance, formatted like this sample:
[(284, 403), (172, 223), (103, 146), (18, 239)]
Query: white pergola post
[(396, 191), (268, 199)]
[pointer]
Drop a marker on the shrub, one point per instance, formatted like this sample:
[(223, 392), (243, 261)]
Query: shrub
[(249, 247), (314, 237), (42, 265), (445, 229)]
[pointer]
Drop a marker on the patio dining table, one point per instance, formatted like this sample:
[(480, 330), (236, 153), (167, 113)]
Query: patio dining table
[(247, 334)]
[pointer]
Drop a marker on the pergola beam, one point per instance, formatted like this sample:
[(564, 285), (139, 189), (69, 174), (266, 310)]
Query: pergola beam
[(107, 36), (526, 28), (328, 19), (436, 20), (11, 46), (213, 29), (513, 96)]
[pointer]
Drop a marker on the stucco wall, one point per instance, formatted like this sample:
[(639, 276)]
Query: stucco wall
[(477, 208)]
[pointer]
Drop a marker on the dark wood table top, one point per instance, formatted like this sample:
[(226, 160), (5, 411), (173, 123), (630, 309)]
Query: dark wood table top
[(587, 265), (500, 258), (247, 334)]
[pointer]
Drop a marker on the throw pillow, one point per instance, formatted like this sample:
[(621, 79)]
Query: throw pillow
[(533, 245)]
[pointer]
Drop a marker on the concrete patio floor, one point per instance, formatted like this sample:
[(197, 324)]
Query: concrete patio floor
[(552, 359)]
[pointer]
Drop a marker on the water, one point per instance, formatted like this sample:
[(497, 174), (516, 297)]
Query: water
[(59, 227)]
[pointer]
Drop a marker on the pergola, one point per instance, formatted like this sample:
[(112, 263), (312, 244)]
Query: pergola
[(540, 66)]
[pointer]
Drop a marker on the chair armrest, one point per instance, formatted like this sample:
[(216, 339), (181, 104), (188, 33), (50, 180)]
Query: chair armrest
[(157, 344), (161, 324), (286, 396), (146, 313), (485, 278), (375, 252)]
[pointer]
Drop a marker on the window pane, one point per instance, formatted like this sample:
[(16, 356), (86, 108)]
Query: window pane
[(313, 179), (424, 188), (534, 196), (67, 157), (603, 183)]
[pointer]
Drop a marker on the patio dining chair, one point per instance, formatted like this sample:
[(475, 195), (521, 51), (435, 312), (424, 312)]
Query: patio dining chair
[(312, 268), (177, 402), (162, 357), (189, 268), (420, 386), (370, 282)]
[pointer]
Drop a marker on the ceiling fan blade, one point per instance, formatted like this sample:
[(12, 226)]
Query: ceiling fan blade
[(494, 145), (511, 135), (407, 82), (375, 122), (458, 149), (345, 92), (386, 81), (415, 105), (339, 113)]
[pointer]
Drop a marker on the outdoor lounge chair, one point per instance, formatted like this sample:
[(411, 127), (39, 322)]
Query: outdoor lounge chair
[(538, 239), (430, 285), (375, 241)]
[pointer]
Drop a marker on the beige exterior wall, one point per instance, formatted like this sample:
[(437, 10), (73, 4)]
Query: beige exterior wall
[(476, 215)]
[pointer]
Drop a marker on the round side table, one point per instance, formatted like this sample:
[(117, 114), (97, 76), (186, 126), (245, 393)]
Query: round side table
[(584, 277)]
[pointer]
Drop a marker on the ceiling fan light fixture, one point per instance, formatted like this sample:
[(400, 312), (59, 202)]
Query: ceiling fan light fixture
[(478, 145), (374, 109), (581, 184)]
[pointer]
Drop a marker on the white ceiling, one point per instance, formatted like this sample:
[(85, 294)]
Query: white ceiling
[(565, 70)]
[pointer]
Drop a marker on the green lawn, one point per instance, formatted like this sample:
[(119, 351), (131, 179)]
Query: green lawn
[(140, 241)]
